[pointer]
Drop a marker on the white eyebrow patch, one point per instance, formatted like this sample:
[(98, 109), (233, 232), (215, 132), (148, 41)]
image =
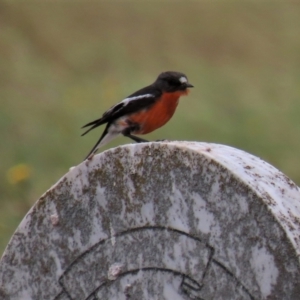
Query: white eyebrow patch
[(183, 79), (127, 100)]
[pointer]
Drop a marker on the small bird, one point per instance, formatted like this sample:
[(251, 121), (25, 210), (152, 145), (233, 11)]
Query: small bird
[(143, 111)]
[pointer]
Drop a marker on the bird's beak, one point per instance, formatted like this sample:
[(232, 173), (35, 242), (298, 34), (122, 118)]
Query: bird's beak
[(188, 85)]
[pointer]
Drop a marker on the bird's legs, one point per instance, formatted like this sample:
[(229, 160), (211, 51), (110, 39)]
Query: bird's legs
[(135, 138), (127, 133)]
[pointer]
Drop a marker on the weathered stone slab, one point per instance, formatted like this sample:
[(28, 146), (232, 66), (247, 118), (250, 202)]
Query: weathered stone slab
[(171, 220)]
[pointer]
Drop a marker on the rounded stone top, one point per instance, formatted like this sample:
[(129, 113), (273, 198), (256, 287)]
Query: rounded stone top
[(167, 220)]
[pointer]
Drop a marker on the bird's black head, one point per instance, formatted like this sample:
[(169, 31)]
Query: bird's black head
[(172, 82)]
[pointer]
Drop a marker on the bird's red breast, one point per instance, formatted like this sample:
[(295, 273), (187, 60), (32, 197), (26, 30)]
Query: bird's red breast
[(158, 114)]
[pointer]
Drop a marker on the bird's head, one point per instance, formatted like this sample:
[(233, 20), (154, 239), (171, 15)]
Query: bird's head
[(173, 82)]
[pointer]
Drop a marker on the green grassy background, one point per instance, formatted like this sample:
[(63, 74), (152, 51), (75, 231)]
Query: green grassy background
[(63, 63)]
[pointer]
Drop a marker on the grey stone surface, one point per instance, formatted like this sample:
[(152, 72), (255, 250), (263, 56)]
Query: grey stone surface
[(171, 220)]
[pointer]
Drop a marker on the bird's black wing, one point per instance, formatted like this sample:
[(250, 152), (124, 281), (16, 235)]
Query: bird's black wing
[(139, 100)]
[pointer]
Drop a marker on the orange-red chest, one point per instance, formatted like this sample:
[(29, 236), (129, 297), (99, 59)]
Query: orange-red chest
[(158, 114)]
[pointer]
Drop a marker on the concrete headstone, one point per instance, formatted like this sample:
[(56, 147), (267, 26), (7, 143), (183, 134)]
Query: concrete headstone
[(178, 220)]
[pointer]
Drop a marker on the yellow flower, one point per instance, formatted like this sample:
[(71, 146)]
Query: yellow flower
[(18, 173)]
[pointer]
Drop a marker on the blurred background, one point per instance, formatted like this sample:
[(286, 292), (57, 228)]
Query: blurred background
[(62, 64)]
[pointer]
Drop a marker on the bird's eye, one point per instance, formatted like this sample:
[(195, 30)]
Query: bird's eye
[(174, 82)]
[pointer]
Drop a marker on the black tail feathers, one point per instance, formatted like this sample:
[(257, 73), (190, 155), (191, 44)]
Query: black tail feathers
[(94, 124)]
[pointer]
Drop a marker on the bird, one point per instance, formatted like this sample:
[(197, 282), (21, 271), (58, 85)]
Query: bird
[(143, 111)]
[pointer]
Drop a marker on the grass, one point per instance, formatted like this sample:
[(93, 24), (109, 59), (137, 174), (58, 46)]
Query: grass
[(63, 64)]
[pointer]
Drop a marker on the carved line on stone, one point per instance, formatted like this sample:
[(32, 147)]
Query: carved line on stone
[(160, 228), (209, 261), (124, 233), (129, 231), (150, 269), (64, 293)]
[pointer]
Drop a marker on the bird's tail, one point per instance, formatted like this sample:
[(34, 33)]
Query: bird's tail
[(106, 137), (94, 124)]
